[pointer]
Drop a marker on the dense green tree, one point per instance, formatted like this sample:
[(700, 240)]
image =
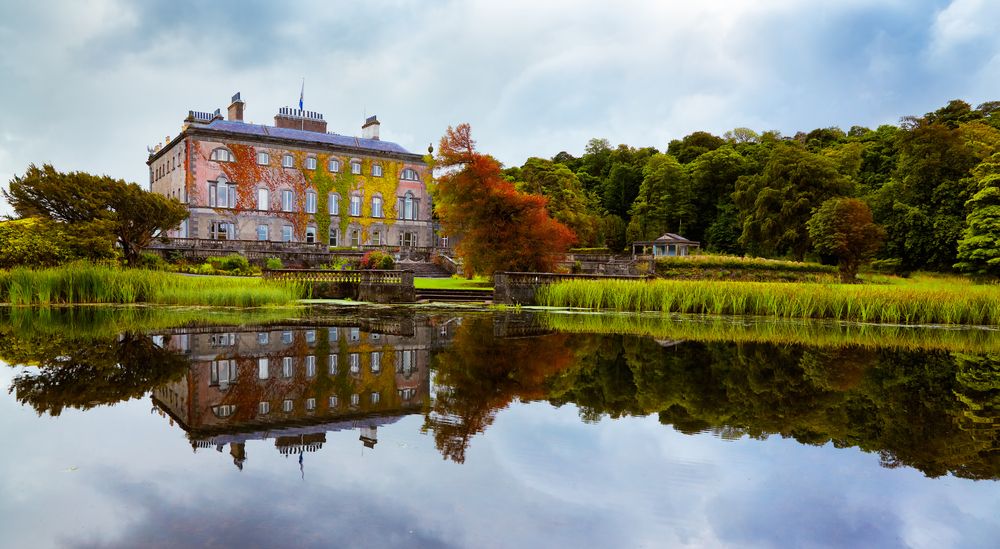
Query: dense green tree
[(844, 228), (95, 210), (775, 205), (979, 249), (665, 202), (613, 231), (713, 180), (568, 202), (694, 145), (33, 242)]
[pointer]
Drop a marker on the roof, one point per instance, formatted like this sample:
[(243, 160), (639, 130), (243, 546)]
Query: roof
[(261, 130), (667, 238), (672, 237)]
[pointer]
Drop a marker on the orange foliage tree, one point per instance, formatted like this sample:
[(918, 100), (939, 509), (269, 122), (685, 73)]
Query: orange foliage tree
[(501, 228)]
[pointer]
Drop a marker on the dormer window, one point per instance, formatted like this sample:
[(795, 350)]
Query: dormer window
[(409, 174), (334, 166), (222, 155), (263, 159), (356, 168), (287, 161), (376, 170), (310, 163)]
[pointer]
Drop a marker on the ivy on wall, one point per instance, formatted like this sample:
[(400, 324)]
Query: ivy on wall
[(248, 176)]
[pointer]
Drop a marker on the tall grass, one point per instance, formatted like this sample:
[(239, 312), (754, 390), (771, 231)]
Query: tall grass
[(90, 283), (817, 333), (736, 262), (938, 304)]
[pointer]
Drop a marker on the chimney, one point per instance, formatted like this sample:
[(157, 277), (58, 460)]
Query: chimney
[(296, 119), (370, 129), (236, 109)]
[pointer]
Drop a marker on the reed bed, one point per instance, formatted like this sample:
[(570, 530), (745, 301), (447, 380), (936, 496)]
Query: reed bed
[(91, 283), (955, 304), (816, 333)]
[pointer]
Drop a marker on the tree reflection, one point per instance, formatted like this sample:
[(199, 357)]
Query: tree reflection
[(86, 372), (933, 411), (481, 374)]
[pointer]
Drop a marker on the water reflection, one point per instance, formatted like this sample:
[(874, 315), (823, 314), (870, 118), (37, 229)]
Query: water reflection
[(294, 382)]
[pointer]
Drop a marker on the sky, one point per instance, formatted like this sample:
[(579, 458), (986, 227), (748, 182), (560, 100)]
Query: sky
[(87, 86)]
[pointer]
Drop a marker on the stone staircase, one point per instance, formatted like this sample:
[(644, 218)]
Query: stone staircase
[(456, 296), (423, 270)]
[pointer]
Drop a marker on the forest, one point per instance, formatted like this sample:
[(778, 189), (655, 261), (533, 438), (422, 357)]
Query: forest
[(932, 183)]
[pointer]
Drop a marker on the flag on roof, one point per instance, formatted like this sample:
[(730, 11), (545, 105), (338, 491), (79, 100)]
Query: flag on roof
[(302, 94)]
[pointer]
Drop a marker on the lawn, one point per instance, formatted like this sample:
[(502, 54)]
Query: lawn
[(453, 283)]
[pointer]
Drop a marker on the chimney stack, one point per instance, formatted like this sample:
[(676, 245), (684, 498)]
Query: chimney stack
[(370, 129), (236, 109)]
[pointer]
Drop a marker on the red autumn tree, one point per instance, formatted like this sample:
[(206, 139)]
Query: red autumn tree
[(501, 228)]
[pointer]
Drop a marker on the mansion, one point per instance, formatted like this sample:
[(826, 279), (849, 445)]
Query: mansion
[(292, 182)]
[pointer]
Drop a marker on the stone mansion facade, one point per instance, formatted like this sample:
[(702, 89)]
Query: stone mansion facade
[(292, 182)]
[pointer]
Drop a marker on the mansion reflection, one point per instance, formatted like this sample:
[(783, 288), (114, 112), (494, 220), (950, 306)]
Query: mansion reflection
[(294, 384)]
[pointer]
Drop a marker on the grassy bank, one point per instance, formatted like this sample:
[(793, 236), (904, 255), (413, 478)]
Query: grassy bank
[(87, 283), (939, 303), (453, 283), (814, 333)]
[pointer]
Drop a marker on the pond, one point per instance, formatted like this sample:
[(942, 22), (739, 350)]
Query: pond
[(438, 428)]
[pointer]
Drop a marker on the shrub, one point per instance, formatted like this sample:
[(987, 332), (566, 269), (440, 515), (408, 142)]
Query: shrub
[(577, 267), (376, 259), (152, 261), (273, 263), (593, 251)]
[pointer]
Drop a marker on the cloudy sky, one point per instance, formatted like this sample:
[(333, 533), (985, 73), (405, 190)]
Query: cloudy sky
[(88, 85)]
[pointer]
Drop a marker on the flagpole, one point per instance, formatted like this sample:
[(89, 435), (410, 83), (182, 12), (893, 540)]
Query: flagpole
[(302, 95)]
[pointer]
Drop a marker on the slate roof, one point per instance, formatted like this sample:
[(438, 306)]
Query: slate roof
[(261, 130)]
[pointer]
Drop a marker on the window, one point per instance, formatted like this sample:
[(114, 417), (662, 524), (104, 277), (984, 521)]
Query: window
[(286, 233), (376, 206), (376, 170), (376, 238), (263, 200), (287, 368), (406, 362), (262, 338), (332, 365), (263, 159), (221, 230), (376, 363), (311, 366), (286, 338), (287, 161), (355, 399), (261, 232), (223, 373), (262, 368), (355, 238), (287, 405), (408, 207), (355, 334), (286, 201), (310, 404), (263, 408), (356, 206), (310, 234), (221, 195), (334, 166), (407, 240), (310, 163), (334, 334), (356, 168), (409, 174), (311, 202), (334, 402), (335, 237), (334, 202), (310, 336), (222, 155), (374, 397), (355, 360)]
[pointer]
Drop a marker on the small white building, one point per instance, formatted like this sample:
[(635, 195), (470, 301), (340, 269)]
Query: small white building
[(667, 244)]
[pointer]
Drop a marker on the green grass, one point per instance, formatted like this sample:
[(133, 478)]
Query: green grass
[(88, 283), (736, 262), (943, 301), (788, 332), (454, 283)]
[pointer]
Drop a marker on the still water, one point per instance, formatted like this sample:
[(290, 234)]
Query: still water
[(458, 429)]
